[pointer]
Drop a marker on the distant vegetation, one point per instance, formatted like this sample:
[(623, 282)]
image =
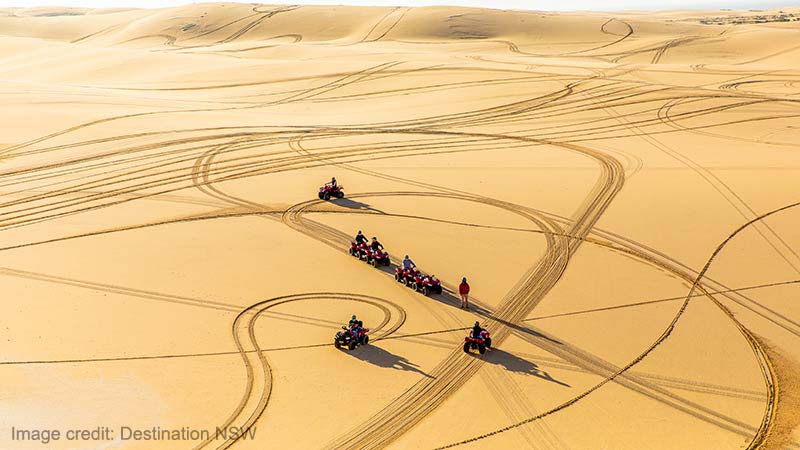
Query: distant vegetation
[(760, 18)]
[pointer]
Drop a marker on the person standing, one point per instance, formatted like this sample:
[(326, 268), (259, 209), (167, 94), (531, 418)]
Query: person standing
[(463, 291)]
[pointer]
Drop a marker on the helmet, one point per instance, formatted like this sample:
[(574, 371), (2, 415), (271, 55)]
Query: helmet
[(464, 280), (406, 257), (354, 316), (359, 231), (374, 238), (477, 324)]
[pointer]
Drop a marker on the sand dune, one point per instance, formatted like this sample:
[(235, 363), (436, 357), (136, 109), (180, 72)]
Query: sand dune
[(620, 189)]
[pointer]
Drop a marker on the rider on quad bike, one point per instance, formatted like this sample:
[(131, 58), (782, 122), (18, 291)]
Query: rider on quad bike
[(375, 245), (360, 238), (408, 263), (476, 330), (481, 333), (355, 325), (478, 339), (357, 330), (331, 190), (352, 335)]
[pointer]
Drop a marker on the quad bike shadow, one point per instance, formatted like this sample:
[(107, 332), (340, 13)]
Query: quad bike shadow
[(515, 364), (384, 358)]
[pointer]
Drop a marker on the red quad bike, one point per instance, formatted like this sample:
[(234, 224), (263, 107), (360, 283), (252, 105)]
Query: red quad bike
[(353, 249), (362, 251), (346, 338), (431, 285), (328, 191), (378, 258), (405, 276), (410, 276), (481, 343), (416, 280)]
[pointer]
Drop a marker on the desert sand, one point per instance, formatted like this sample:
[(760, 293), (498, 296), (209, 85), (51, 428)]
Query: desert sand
[(620, 189)]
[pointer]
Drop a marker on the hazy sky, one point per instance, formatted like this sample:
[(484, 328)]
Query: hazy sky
[(607, 5)]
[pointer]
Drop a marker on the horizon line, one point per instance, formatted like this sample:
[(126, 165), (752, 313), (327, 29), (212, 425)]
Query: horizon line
[(773, 5)]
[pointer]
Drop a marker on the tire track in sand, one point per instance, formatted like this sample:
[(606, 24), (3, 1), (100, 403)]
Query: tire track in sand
[(258, 388), (770, 376), (423, 397)]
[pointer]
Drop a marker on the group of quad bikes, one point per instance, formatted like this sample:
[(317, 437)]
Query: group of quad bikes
[(351, 337), (411, 277), (418, 281), (365, 253)]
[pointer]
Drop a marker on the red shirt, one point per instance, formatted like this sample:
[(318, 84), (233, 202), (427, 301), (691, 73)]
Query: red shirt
[(463, 288)]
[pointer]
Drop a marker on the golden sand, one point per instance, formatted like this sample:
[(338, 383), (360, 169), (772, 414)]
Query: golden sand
[(619, 189)]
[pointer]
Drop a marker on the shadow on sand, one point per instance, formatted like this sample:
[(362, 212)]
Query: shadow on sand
[(514, 363), (384, 358), (353, 204)]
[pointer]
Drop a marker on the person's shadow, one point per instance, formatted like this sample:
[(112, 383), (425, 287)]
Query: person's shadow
[(516, 364), (384, 358)]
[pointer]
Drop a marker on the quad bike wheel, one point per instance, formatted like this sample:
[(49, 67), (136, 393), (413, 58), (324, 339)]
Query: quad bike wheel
[(397, 277), (365, 341), (481, 349), (320, 195), (327, 196), (425, 291), (374, 263), (414, 286), (340, 195), (488, 342), (336, 343), (466, 347), (351, 345)]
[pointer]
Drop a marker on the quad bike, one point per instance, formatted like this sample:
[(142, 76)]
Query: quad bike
[(415, 280), (431, 285), (404, 276), (410, 276), (362, 252), (481, 343), (378, 258), (328, 191), (346, 338)]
